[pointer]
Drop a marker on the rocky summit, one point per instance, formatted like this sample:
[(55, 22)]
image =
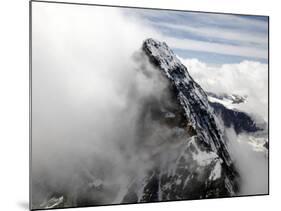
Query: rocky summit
[(199, 165)]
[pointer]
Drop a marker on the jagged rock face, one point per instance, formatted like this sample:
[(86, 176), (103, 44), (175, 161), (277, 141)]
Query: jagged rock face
[(198, 113), (240, 121), (224, 106), (198, 165)]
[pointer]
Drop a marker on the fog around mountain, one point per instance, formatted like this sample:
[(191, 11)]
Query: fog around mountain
[(90, 84)]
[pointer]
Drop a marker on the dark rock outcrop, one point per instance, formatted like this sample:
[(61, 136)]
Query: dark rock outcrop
[(199, 164)]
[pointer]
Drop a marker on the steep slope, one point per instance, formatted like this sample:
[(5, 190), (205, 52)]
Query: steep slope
[(199, 164), (240, 121), (226, 107)]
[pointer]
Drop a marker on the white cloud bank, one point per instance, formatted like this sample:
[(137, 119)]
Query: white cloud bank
[(252, 165), (248, 78), (87, 91)]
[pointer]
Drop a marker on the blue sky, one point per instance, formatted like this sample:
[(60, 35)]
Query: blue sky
[(212, 38)]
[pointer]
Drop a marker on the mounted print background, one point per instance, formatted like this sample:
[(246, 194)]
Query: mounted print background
[(137, 105)]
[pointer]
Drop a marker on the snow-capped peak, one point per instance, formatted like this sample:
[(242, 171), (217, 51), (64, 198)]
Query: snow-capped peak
[(198, 112)]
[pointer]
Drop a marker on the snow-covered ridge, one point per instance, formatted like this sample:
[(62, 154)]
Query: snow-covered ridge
[(199, 115), (191, 96)]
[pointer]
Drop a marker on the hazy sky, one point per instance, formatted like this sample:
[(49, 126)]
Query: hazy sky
[(212, 38)]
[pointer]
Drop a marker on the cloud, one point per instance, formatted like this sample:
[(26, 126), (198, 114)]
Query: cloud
[(252, 165), (89, 83), (246, 78), (245, 22), (211, 47), (242, 22), (225, 34)]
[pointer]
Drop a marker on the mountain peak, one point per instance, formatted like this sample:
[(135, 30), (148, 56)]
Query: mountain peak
[(164, 57), (203, 143)]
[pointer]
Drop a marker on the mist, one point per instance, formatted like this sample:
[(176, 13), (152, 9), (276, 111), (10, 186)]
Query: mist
[(251, 164), (88, 92)]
